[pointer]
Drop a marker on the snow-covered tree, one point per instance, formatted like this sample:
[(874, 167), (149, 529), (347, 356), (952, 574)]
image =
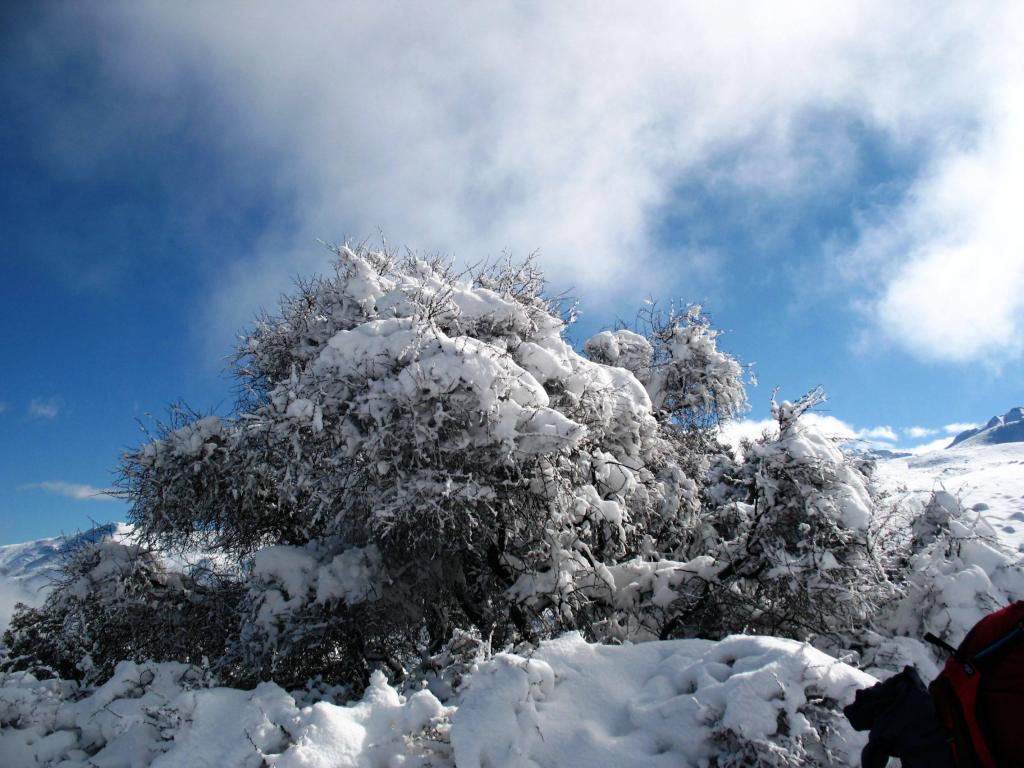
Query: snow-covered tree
[(418, 451), (957, 570), (420, 456), (803, 555)]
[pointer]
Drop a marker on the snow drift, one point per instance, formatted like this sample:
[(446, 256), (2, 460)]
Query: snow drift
[(684, 702)]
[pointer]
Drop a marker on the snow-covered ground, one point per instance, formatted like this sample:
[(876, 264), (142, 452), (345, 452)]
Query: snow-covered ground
[(665, 703), (986, 478), (570, 703)]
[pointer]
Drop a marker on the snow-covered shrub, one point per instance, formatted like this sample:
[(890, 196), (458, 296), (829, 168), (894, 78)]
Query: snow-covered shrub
[(934, 520), (117, 601), (310, 613), (790, 546), (439, 429), (798, 547), (446, 671), (691, 382), (959, 571)]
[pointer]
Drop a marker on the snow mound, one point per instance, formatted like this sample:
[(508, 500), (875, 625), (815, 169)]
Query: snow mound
[(1008, 428), (751, 701), (739, 701), (159, 715)]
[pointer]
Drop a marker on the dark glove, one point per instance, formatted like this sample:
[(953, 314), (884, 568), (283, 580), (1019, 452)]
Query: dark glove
[(901, 716)]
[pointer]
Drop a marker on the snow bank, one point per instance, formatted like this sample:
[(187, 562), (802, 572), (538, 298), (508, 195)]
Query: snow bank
[(672, 703), (738, 701), (158, 715)]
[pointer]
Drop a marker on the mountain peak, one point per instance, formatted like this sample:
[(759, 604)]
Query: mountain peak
[(1008, 428)]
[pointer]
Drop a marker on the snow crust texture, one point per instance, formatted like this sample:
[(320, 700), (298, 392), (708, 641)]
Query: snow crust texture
[(159, 715), (684, 702)]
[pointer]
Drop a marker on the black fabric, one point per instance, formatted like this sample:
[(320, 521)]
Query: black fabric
[(902, 720)]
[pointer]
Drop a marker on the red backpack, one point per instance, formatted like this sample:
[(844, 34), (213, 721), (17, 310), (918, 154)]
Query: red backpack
[(979, 695)]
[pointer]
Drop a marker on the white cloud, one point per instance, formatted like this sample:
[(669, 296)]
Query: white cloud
[(958, 427), (47, 408), (875, 434), (937, 444), (734, 432), (474, 128), (830, 426), (76, 491), (950, 259), (882, 437)]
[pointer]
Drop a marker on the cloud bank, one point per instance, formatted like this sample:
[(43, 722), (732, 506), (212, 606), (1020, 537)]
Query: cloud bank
[(953, 253), (476, 128), (751, 429), (958, 427), (880, 437), (883, 437)]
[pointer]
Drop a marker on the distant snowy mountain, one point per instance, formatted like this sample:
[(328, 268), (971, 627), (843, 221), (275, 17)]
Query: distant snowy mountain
[(874, 454), (1008, 428), (27, 570)]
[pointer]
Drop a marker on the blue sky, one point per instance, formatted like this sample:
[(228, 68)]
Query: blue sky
[(837, 186)]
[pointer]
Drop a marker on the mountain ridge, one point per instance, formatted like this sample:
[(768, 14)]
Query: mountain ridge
[(1008, 428)]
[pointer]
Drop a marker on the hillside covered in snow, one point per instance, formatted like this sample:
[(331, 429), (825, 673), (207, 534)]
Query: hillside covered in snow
[(987, 478)]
